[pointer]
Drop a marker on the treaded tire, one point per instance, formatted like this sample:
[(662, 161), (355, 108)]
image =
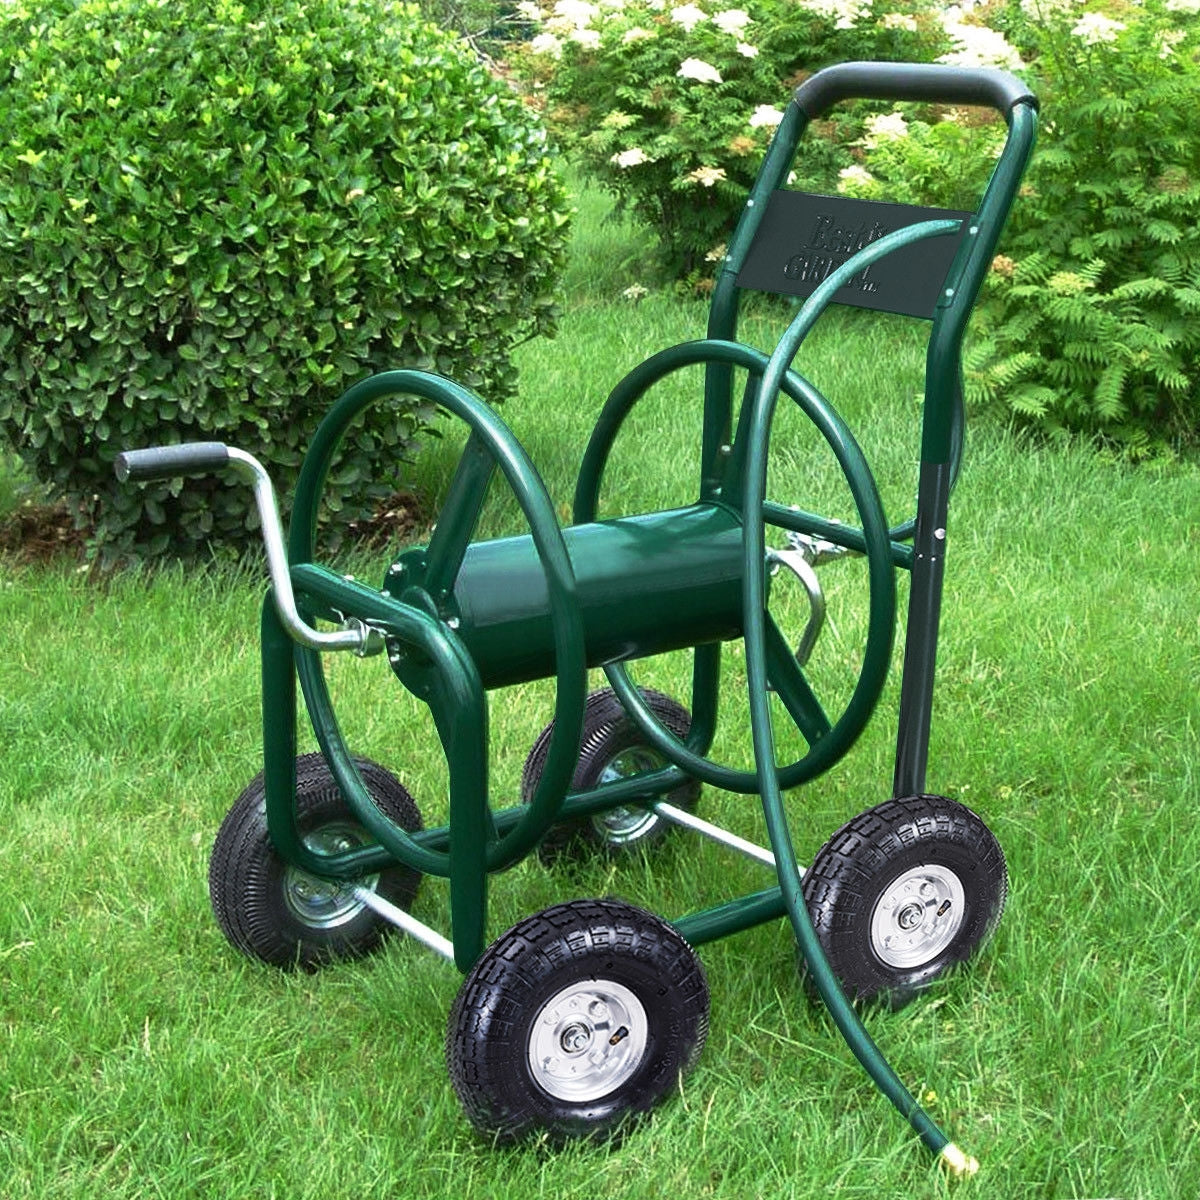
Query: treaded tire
[(611, 745), (507, 1039), (282, 916), (903, 893)]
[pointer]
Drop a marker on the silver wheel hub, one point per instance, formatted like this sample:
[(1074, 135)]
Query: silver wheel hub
[(326, 903), (917, 916), (587, 1040), (629, 822)]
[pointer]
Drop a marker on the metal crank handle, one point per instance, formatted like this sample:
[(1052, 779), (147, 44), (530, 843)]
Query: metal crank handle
[(193, 458), (803, 555), (801, 566)]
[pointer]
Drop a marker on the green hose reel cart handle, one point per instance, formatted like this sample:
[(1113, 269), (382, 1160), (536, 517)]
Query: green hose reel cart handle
[(920, 82)]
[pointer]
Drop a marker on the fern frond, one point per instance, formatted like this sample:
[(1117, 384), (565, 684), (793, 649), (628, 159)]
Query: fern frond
[(1108, 393), (1166, 232), (1033, 400), (1140, 289)]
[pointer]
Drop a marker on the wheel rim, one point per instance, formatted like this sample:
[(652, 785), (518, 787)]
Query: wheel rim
[(629, 822), (917, 916), (325, 903), (587, 1040)]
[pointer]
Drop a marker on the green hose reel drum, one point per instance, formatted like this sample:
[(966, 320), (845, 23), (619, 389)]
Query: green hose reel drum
[(582, 1017)]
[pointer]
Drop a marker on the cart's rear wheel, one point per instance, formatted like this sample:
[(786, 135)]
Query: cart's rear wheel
[(612, 747), (575, 1021), (903, 893), (275, 912)]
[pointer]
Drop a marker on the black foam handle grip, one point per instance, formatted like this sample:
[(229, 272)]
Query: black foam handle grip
[(930, 83), (166, 462)]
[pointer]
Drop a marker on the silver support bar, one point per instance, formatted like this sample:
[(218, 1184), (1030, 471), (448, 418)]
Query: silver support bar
[(354, 635), (405, 921), (679, 816)]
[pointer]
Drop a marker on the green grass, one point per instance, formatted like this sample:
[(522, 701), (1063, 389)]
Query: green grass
[(143, 1058)]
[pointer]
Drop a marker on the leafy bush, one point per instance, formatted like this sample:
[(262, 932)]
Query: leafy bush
[(671, 107), (1092, 319), (1095, 316), (209, 227), (914, 156)]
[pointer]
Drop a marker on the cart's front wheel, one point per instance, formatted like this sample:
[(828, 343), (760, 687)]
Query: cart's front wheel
[(612, 747), (275, 912), (578, 1019), (903, 893)]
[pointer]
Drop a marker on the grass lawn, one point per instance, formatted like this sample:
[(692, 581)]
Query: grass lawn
[(142, 1057)]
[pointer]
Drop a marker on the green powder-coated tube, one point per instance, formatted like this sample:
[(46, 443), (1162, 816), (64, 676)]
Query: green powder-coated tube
[(754, 602)]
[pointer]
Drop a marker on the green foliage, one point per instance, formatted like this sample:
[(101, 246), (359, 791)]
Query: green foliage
[(485, 24), (1090, 322), (671, 108), (210, 227), (1105, 287), (915, 156)]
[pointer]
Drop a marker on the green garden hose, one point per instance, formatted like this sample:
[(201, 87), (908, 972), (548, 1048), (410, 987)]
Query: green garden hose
[(844, 1016)]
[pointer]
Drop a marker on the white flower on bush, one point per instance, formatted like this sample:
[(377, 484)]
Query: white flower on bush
[(732, 21), (546, 43), (1168, 40), (884, 127), (635, 292), (689, 16), (698, 69), (1043, 10), (636, 34), (978, 46), (579, 13), (529, 10), (899, 21), (1183, 6), (845, 14), (633, 157), (1094, 28), (706, 176), (854, 177), (717, 253), (589, 39), (746, 50), (765, 116)]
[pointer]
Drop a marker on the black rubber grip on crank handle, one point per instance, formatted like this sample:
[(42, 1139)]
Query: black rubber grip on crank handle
[(166, 462)]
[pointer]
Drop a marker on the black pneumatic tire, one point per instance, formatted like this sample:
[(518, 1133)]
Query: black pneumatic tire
[(903, 893), (282, 916), (611, 745), (575, 1022)]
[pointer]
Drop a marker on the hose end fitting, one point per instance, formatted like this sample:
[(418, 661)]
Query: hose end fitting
[(960, 1165)]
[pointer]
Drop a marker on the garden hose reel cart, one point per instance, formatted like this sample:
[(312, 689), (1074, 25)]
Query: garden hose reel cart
[(587, 1012)]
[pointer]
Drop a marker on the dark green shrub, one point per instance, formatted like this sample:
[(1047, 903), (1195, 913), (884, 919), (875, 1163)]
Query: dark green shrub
[(212, 222)]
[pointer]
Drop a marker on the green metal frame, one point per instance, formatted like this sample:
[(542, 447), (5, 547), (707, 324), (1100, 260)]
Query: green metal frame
[(449, 630)]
